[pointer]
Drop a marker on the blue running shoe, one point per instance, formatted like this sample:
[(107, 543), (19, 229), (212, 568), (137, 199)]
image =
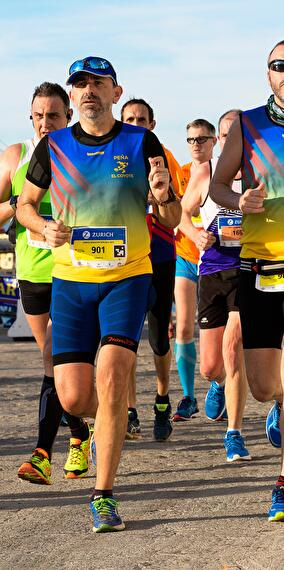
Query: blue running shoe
[(162, 424), (106, 517), (186, 409), (235, 447), (215, 402), (276, 512), (273, 425), (93, 452)]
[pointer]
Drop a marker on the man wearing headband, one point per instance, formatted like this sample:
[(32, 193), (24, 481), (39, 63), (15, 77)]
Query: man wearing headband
[(256, 145), (99, 173)]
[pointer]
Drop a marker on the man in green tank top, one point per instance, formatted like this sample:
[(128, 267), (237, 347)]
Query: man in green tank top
[(50, 110)]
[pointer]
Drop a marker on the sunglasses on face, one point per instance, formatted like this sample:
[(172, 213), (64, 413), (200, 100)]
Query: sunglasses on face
[(276, 65), (198, 140)]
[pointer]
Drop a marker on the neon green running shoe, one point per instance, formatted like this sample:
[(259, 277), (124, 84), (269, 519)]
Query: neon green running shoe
[(77, 463), (37, 469)]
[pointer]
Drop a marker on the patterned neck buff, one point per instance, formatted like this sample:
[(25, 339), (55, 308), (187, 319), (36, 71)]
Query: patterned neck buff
[(275, 112)]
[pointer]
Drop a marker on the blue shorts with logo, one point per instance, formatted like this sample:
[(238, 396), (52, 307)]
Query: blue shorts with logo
[(85, 314), (187, 269)]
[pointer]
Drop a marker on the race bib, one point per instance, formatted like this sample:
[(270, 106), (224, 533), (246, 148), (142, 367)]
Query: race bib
[(37, 240), (99, 247), (230, 230), (270, 283)]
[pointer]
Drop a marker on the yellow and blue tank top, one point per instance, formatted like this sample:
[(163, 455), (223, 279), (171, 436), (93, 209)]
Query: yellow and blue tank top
[(103, 187), (263, 161), (32, 263)]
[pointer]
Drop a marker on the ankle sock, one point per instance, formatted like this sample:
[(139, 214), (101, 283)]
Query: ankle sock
[(162, 402), (102, 493)]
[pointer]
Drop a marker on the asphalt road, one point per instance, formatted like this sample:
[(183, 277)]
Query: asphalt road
[(183, 505)]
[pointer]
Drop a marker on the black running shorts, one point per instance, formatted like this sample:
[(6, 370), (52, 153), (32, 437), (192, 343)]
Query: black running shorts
[(217, 298), (262, 314), (36, 297)]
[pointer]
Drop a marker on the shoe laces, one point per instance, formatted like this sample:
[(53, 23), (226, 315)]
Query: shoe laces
[(234, 440), (215, 392), (75, 453), (105, 506)]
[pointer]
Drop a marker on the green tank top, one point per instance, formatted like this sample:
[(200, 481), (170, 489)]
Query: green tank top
[(32, 263)]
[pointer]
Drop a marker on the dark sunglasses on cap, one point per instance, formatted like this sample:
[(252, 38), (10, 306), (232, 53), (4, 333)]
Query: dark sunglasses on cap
[(198, 140), (93, 65), (276, 65)]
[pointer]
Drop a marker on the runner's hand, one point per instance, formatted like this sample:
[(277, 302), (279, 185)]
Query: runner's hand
[(159, 179), (204, 240), (56, 233), (251, 202)]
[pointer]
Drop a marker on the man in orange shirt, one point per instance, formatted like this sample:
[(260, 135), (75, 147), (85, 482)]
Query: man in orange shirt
[(201, 138)]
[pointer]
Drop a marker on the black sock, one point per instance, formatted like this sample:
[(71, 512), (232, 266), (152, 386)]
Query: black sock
[(162, 399), (104, 493), (78, 427), (133, 412), (280, 481), (50, 413)]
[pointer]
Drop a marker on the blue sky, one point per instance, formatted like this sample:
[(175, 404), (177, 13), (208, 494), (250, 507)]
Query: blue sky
[(188, 59)]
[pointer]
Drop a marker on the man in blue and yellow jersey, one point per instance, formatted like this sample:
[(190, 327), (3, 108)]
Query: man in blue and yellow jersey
[(139, 113), (256, 145), (50, 110), (99, 173)]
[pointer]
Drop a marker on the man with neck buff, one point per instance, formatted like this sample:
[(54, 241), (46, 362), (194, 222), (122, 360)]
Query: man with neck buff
[(256, 145)]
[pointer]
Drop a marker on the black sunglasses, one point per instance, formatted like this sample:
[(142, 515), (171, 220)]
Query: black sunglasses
[(276, 65), (198, 140)]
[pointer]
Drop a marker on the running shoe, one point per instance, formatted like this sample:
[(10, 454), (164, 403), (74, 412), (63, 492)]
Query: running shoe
[(106, 517), (273, 425), (215, 404), (133, 427), (37, 469), (93, 451), (77, 463), (235, 447), (162, 424), (186, 409), (276, 512)]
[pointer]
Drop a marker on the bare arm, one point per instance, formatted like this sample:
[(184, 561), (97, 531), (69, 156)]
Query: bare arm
[(251, 202), (8, 164), (194, 196), (54, 232)]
